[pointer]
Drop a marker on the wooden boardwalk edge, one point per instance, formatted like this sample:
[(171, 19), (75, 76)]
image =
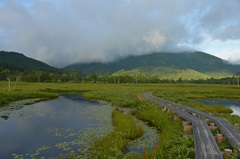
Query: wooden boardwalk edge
[(204, 142)]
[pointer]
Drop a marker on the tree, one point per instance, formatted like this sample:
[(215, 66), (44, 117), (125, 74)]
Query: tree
[(94, 78), (38, 73), (238, 75), (180, 80), (18, 76), (7, 74)]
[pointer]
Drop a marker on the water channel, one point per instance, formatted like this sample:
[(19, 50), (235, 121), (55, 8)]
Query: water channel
[(68, 123)]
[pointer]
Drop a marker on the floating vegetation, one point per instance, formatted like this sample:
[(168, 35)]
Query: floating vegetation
[(82, 141), (78, 139), (149, 139), (114, 144), (32, 155)]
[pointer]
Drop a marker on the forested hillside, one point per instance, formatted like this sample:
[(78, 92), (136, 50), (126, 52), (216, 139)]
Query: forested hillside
[(18, 67), (14, 60), (197, 61), (153, 68)]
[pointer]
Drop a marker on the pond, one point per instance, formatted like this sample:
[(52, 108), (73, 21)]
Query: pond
[(69, 123), (230, 103)]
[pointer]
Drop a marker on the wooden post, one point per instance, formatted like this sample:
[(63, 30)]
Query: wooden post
[(164, 109), (228, 152), (212, 128), (176, 117), (207, 121), (187, 127), (168, 110), (184, 123), (236, 125), (212, 124), (219, 138)]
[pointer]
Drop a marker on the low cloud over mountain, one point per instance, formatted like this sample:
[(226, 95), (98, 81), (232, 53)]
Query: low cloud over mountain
[(65, 32)]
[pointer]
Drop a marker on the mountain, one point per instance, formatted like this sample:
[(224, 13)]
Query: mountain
[(17, 61), (160, 65), (200, 62)]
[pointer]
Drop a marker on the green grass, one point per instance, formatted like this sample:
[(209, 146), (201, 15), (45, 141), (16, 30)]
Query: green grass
[(171, 132), (114, 144), (185, 94), (126, 125), (126, 96)]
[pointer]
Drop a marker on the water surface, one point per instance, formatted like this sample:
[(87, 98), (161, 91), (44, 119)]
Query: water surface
[(230, 103), (46, 129)]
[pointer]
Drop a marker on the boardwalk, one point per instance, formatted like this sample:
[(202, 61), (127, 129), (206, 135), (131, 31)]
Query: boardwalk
[(205, 145), (231, 133)]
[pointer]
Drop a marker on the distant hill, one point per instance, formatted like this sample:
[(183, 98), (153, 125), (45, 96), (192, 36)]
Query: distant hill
[(169, 73), (199, 63), (17, 61)]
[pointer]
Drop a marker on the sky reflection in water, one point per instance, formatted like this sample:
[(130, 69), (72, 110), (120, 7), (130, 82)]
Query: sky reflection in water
[(69, 119), (233, 104)]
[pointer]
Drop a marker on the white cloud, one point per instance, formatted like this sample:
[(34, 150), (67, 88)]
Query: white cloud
[(65, 32), (154, 38), (234, 56)]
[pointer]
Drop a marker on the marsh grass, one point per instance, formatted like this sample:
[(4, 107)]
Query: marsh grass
[(185, 94), (114, 144), (125, 95), (171, 143), (126, 125)]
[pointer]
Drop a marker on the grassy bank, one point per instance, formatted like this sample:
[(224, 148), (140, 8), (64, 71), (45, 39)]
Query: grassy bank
[(172, 144), (114, 144)]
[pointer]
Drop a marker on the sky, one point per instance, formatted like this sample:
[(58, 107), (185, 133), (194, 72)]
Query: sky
[(62, 32)]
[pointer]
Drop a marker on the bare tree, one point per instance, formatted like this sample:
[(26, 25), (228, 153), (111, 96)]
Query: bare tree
[(7, 74), (18, 76), (38, 73), (238, 76)]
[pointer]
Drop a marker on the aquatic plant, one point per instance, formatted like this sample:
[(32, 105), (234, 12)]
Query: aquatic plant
[(114, 144)]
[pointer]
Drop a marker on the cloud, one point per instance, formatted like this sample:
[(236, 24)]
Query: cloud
[(66, 32), (234, 56), (154, 38)]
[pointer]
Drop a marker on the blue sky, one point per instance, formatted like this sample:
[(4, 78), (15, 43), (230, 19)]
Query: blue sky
[(61, 32)]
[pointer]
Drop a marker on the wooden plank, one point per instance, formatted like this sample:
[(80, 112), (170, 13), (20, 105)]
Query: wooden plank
[(205, 144), (231, 133)]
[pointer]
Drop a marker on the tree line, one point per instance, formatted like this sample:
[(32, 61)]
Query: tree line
[(72, 76)]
